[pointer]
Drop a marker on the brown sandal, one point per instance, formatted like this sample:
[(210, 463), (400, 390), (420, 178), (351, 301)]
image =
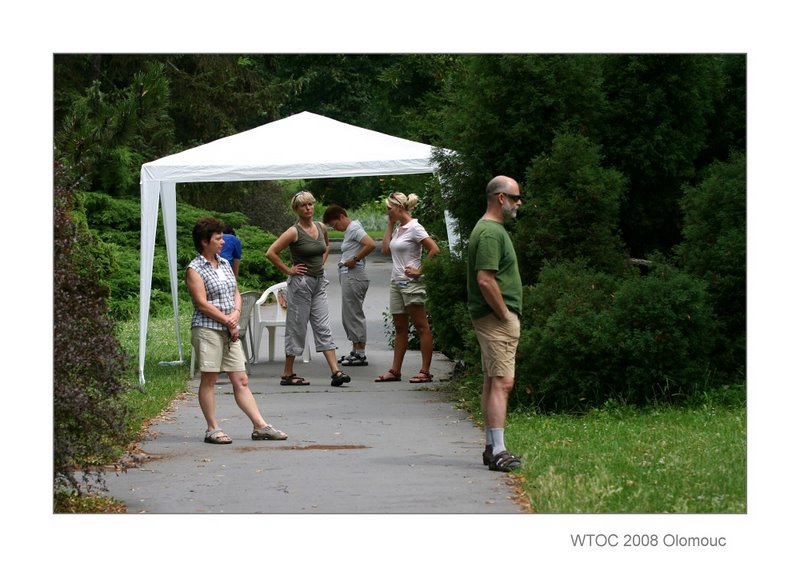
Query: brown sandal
[(421, 376), (390, 376), (294, 380)]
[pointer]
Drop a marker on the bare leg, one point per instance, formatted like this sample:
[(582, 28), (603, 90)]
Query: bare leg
[(330, 358), (205, 395), (288, 365), (244, 398), (420, 319), (400, 340), (494, 400)]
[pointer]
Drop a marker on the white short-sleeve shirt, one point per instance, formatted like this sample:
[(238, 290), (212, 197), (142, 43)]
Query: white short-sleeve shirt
[(406, 248)]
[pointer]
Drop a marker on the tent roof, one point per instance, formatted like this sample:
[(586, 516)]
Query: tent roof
[(302, 146)]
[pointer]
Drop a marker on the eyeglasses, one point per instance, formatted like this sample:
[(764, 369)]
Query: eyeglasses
[(515, 198)]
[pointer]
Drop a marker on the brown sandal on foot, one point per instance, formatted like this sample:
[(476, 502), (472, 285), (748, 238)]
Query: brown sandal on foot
[(390, 376), (294, 380), (421, 376)]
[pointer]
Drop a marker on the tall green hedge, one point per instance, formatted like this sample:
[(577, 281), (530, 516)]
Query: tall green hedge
[(116, 225), (715, 249), (589, 337)]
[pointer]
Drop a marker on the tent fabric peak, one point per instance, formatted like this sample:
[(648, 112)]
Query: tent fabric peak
[(302, 146)]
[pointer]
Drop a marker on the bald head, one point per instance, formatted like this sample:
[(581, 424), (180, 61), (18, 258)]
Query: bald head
[(499, 184)]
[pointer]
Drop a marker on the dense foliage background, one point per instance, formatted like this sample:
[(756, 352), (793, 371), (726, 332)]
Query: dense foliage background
[(632, 235)]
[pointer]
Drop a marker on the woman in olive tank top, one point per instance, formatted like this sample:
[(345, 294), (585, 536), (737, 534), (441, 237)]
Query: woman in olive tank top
[(306, 290)]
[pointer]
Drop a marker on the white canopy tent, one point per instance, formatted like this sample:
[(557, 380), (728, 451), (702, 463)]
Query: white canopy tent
[(302, 146)]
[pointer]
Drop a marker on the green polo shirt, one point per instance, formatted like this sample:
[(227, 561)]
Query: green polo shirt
[(490, 248)]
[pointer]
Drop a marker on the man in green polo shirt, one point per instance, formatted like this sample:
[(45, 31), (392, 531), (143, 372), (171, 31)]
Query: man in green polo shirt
[(494, 290)]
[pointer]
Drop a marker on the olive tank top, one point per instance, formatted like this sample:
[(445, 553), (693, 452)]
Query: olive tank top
[(309, 251)]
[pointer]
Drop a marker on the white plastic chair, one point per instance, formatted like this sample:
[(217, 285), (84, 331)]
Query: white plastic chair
[(269, 314)]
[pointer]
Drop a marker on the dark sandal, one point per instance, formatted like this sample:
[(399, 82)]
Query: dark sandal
[(421, 376), (504, 462), (338, 378), (354, 359), (390, 376), (294, 380)]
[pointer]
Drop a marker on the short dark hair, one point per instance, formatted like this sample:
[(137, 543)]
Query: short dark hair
[(333, 212), (204, 229), (228, 230)]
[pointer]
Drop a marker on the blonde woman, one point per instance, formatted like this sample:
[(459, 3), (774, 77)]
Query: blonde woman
[(405, 238), (306, 290)]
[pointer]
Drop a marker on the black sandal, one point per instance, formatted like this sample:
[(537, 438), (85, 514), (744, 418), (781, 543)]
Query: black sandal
[(294, 380), (338, 378), (487, 455), (504, 462), (354, 359)]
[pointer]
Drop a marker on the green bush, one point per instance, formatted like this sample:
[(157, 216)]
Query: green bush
[(664, 329), (565, 358), (588, 337), (571, 211), (115, 224), (267, 203), (447, 306), (371, 215), (255, 271), (715, 249), (89, 363)]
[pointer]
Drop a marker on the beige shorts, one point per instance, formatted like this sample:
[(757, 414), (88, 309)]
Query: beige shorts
[(498, 341), (401, 296), (216, 352)]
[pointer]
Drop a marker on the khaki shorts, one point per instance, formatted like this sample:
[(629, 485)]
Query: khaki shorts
[(498, 341), (216, 352), (401, 296)]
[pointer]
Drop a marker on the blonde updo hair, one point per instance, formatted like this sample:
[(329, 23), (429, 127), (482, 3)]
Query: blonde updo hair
[(401, 200), (302, 198)]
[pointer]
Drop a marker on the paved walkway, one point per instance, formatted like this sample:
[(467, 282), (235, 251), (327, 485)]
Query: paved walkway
[(363, 448)]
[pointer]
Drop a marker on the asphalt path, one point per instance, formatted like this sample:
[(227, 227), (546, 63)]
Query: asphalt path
[(366, 447)]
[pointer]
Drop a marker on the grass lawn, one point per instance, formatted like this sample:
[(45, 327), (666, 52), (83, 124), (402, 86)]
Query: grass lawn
[(163, 383), (621, 460)]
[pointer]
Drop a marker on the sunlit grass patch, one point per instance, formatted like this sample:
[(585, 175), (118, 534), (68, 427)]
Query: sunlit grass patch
[(648, 461)]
